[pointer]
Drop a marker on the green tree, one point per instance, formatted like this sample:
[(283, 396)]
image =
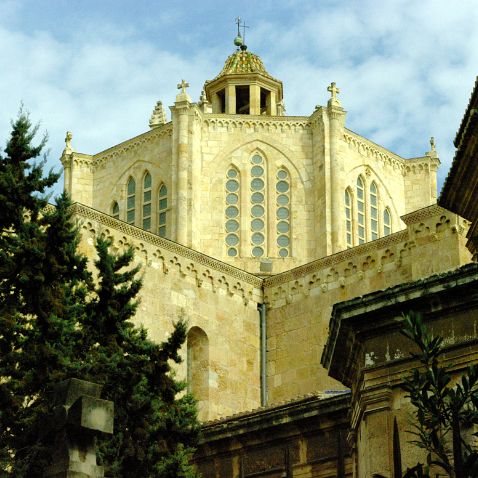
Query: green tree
[(57, 323), (155, 431), (443, 410)]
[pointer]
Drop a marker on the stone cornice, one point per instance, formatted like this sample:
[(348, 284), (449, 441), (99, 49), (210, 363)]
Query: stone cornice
[(275, 123), (101, 159), (106, 220), (417, 165), (337, 258), (302, 408), (371, 149), (424, 213), (78, 159)]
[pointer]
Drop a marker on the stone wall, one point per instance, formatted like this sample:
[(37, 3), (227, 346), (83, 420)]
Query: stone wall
[(191, 156), (217, 298), (299, 302)]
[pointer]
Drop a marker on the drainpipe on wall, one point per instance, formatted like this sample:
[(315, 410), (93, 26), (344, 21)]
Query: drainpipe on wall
[(263, 338)]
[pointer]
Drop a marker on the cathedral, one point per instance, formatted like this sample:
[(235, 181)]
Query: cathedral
[(269, 233)]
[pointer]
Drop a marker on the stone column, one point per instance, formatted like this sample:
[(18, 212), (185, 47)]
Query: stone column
[(255, 99), (272, 103), (216, 103), (231, 99), (336, 116), (181, 159), (79, 415)]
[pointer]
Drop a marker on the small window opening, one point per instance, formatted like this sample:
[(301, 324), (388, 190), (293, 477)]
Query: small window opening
[(265, 102), (221, 95), (242, 100)]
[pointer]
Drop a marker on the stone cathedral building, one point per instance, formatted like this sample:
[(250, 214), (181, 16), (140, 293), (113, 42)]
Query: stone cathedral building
[(253, 224)]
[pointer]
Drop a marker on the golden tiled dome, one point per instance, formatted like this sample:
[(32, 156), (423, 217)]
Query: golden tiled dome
[(243, 61)]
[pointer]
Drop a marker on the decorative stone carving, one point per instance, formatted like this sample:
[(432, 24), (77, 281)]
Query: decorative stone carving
[(158, 117)]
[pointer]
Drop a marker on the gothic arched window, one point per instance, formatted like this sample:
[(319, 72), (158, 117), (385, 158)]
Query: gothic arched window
[(283, 212), (131, 201), (373, 211), (115, 210), (258, 206), (387, 222), (162, 210), (147, 201), (232, 212), (349, 238), (360, 211)]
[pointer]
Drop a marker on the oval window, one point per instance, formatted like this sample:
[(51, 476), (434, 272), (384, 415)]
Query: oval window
[(257, 238), (283, 241), (257, 171), (232, 240), (232, 211), (232, 185), (231, 199), (282, 213), (282, 186), (257, 224), (282, 200), (232, 225), (257, 184), (257, 197), (282, 227), (257, 251), (257, 210)]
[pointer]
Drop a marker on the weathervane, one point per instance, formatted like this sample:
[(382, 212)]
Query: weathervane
[(240, 40)]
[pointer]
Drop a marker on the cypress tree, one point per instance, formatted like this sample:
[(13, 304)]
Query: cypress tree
[(155, 431)]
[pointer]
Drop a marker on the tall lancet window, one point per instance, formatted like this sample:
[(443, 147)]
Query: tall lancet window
[(348, 219), (360, 211), (232, 212), (373, 211), (258, 210), (162, 210), (115, 210), (131, 201), (387, 222), (283, 212), (147, 202)]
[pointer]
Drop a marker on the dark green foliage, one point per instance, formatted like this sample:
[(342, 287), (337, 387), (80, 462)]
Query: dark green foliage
[(154, 430), (444, 411), (57, 323)]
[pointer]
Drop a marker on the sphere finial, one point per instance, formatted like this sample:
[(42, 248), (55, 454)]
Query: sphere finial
[(239, 41)]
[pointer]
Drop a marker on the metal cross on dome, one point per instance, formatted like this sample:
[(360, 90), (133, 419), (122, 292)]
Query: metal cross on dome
[(243, 25), (183, 85)]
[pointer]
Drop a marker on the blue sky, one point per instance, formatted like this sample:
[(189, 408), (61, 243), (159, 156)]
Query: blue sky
[(97, 68)]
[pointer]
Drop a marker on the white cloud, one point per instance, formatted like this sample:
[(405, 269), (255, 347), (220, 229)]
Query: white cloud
[(405, 68)]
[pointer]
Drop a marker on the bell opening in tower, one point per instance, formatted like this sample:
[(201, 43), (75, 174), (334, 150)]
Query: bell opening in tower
[(242, 100), (265, 102)]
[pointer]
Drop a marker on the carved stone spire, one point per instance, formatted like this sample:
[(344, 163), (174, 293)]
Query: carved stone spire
[(159, 116), (68, 149), (433, 151)]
